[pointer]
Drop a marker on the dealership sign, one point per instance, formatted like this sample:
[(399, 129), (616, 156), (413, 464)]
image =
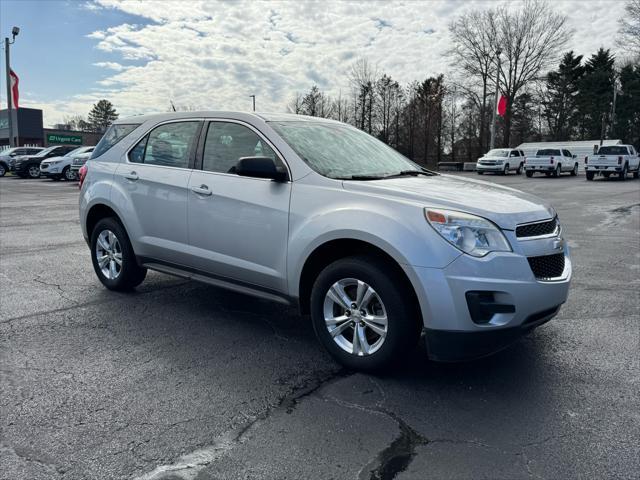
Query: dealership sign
[(64, 139)]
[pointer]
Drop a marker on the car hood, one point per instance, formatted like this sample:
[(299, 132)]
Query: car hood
[(495, 158), (52, 159), (504, 206)]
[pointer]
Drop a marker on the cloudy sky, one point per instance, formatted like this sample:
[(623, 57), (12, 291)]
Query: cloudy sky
[(140, 54)]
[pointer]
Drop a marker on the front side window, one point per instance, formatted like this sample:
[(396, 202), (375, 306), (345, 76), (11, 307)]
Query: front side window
[(168, 145), (113, 135), (228, 142), (566, 153), (514, 153), (342, 152)]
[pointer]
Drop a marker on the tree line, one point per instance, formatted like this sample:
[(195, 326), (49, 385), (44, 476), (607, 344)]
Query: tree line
[(101, 115), (553, 94)]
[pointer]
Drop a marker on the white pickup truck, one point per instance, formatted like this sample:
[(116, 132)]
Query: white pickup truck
[(618, 159), (551, 161)]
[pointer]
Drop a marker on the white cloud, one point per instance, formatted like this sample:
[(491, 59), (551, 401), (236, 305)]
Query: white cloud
[(213, 55)]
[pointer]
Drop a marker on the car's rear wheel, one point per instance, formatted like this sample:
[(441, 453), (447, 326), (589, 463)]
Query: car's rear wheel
[(519, 170), (3, 170), (529, 174), (68, 174), (363, 314), (590, 175), (574, 172), (34, 171), (623, 174), (113, 258), (557, 171)]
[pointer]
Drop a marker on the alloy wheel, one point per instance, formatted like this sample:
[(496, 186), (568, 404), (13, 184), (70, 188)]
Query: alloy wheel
[(109, 254), (69, 175), (34, 171), (355, 317)]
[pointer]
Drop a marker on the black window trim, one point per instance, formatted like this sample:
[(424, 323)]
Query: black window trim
[(192, 147), (261, 136)]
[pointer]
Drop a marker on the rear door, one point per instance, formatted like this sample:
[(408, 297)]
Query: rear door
[(238, 226), (154, 180)]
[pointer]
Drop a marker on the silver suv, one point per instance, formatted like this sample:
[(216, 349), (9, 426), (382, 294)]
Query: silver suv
[(318, 214)]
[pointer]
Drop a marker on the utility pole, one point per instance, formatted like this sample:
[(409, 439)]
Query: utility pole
[(254, 101), (14, 32), (495, 103)]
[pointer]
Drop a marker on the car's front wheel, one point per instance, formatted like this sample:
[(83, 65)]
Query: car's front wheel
[(3, 170), (34, 171), (363, 314), (113, 258), (68, 174)]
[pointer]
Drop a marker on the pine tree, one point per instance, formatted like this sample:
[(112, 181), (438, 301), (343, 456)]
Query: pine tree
[(560, 102), (596, 94), (627, 115), (102, 115)]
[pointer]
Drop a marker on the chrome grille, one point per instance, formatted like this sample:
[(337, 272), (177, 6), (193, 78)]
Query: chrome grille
[(537, 229)]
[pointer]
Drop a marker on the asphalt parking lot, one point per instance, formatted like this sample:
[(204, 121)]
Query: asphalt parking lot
[(181, 380)]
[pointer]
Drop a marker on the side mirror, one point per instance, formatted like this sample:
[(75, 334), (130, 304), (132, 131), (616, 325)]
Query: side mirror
[(13, 154), (260, 167)]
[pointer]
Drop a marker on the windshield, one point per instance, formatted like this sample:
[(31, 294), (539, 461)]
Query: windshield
[(497, 153), (75, 151), (547, 152), (617, 150), (8, 151), (42, 153), (340, 151), (113, 135)]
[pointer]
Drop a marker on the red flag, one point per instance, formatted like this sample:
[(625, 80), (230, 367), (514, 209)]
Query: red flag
[(502, 106), (14, 90)]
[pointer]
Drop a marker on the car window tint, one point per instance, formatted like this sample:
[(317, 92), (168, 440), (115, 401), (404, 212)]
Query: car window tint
[(136, 154), (227, 142), (168, 145), (566, 153)]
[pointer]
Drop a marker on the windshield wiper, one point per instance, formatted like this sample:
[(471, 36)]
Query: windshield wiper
[(362, 177), (413, 173)]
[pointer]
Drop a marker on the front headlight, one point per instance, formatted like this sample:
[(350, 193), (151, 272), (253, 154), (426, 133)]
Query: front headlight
[(54, 162), (474, 235)]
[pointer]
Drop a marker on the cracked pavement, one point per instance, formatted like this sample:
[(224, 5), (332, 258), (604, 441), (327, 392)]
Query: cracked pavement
[(185, 381)]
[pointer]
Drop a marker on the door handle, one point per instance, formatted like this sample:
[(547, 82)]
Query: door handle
[(131, 176), (202, 190)]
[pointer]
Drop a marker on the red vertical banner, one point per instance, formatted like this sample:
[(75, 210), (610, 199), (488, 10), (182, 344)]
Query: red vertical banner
[(501, 107), (15, 94)]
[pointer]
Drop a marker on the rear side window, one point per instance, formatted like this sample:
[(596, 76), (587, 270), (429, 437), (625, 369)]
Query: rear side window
[(613, 150), (547, 152), (168, 145), (113, 135)]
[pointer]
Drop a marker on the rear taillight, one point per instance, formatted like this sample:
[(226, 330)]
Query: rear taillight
[(551, 160), (619, 160), (82, 173)]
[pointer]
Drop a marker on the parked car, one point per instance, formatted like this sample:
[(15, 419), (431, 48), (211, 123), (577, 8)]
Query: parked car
[(29, 165), (319, 214), (551, 161), (618, 159), (60, 167), (7, 157), (79, 160), (501, 160)]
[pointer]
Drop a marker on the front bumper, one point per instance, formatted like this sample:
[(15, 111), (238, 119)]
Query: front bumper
[(489, 168), (453, 334), (50, 171)]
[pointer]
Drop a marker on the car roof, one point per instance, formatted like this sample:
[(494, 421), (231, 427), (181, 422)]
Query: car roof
[(245, 116)]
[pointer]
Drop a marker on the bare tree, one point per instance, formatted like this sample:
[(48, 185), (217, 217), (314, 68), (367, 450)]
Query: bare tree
[(361, 78), (630, 27), (473, 55), (295, 105), (531, 40)]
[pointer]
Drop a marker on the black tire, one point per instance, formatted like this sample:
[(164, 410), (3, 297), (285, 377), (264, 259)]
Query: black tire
[(623, 174), (506, 169), (557, 171), (590, 175), (3, 169), (480, 173), (636, 174), (131, 274), (519, 170), (403, 326), (574, 172), (68, 174), (31, 172), (529, 173), (606, 174)]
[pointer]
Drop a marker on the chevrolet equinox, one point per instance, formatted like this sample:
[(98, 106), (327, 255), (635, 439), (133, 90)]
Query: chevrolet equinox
[(318, 214)]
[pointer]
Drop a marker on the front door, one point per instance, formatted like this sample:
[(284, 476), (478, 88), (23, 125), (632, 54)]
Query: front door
[(238, 226)]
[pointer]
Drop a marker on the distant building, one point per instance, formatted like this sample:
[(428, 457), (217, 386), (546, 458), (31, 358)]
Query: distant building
[(581, 148), (30, 131)]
